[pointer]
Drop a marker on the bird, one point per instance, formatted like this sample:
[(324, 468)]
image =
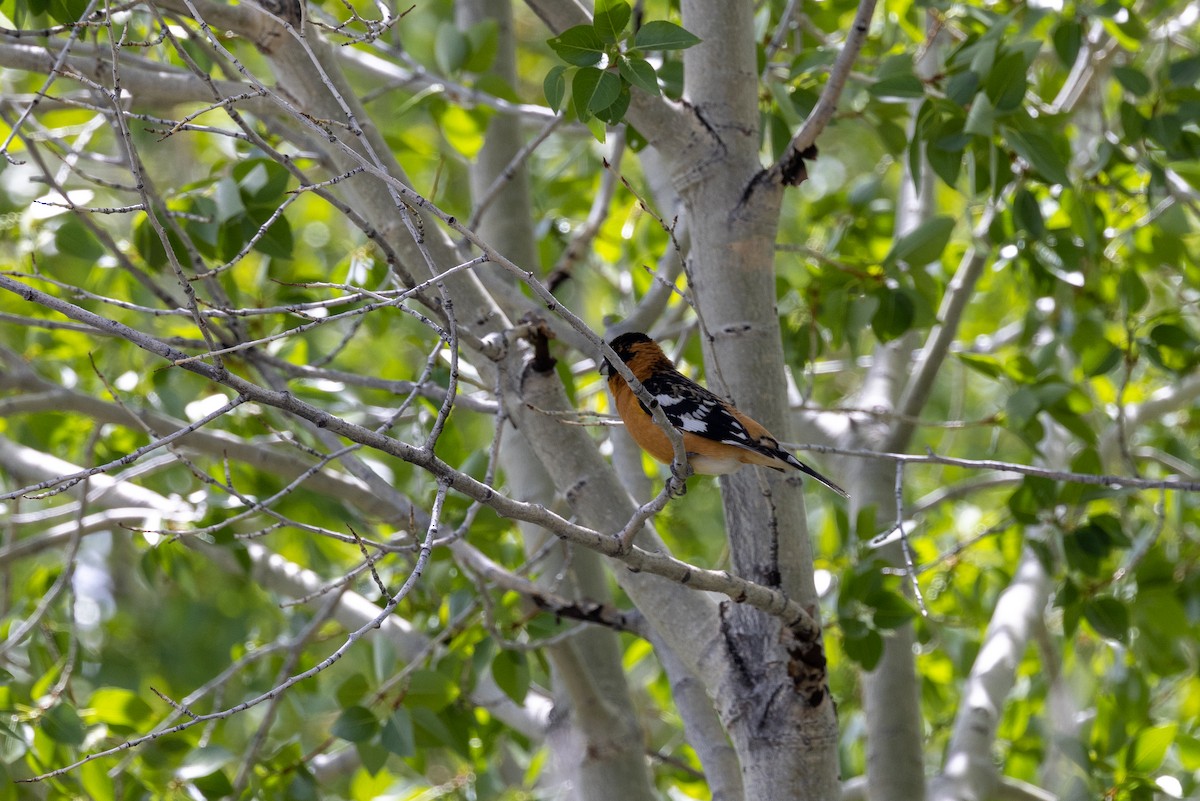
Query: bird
[(718, 437)]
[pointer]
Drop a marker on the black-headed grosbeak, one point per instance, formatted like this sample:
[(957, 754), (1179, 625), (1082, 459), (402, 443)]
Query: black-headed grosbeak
[(718, 438)]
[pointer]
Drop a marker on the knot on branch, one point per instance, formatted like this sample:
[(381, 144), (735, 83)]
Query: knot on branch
[(539, 335), (792, 168)]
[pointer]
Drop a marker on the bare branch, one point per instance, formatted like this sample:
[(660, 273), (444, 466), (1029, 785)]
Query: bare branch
[(791, 164), (774, 602)]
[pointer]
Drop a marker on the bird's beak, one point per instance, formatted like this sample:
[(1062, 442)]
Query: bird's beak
[(606, 369)]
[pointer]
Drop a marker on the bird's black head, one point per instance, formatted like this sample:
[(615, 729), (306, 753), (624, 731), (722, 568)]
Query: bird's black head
[(627, 347)]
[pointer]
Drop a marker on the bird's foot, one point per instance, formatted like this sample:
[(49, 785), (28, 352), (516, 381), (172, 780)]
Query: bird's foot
[(678, 480)]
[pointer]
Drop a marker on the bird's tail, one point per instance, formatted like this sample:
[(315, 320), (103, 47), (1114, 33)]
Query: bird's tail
[(803, 468)]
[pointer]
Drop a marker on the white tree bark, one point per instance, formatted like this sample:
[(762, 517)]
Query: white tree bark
[(970, 771)]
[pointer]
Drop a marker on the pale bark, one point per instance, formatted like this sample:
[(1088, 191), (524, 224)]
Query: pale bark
[(970, 771), (781, 725), (895, 765), (596, 738), (685, 624)]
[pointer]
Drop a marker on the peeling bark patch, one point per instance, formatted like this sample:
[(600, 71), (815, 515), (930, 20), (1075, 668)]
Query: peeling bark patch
[(806, 668)]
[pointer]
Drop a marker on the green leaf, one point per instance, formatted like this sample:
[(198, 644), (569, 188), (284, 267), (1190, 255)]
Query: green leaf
[(463, 129), (866, 649), (1132, 121), (891, 610), (1133, 80), (1027, 214), (397, 735), (1040, 153), (203, 761), (1098, 356), (593, 90), (946, 158), (373, 755), (1068, 38), (215, 785), (983, 57), (1034, 495), (352, 690), (962, 87), (94, 779), (62, 724), (981, 363), (1006, 83), (204, 769), (610, 19), (1185, 72), (638, 72), (1021, 406), (663, 35), (228, 199), (1132, 290), (450, 48), (116, 706), (1108, 617), (276, 241), (482, 42), (1149, 748), (670, 77), (356, 724), (73, 239), (447, 729), (261, 182), (616, 111), (428, 688), (555, 86), (302, 787), (894, 314), (510, 669), (607, 90), (900, 87), (981, 119), (579, 45), (923, 244), (1172, 347), (67, 12), (148, 244)]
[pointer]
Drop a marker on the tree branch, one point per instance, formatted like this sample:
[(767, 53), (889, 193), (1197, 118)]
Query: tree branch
[(789, 167), (740, 590), (1113, 481), (970, 768), (937, 345)]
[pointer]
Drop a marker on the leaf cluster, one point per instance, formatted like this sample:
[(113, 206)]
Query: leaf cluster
[(606, 60)]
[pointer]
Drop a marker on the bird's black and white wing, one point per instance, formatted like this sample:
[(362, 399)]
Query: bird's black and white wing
[(692, 408)]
